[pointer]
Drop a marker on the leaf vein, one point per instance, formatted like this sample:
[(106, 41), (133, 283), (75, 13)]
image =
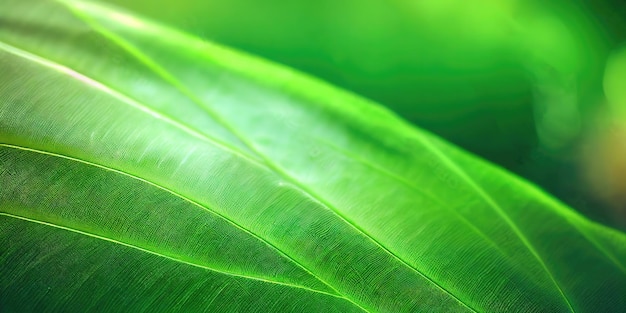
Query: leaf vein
[(230, 221), (498, 209), (159, 70), (155, 114), (128, 245)]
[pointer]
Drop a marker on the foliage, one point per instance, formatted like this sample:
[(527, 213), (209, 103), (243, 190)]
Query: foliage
[(177, 174)]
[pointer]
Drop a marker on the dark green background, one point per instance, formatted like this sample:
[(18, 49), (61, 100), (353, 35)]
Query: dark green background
[(476, 72)]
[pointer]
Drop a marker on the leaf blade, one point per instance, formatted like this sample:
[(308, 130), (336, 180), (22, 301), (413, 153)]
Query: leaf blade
[(298, 178)]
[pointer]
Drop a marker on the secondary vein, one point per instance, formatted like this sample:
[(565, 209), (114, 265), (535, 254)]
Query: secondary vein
[(497, 208), (117, 242), (193, 202), (166, 75), (128, 100)]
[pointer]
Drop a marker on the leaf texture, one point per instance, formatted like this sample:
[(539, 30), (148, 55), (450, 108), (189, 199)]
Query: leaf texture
[(142, 169)]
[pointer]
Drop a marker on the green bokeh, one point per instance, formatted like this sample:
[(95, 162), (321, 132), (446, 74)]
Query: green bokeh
[(513, 81)]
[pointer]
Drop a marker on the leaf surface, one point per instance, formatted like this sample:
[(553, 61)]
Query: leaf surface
[(143, 169)]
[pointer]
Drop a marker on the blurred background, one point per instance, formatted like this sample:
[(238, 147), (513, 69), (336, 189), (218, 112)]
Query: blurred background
[(537, 87)]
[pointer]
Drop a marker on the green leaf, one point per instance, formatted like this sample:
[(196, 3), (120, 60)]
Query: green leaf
[(142, 169)]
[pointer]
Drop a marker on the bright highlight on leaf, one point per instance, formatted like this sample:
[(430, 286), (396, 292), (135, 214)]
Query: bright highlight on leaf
[(173, 174)]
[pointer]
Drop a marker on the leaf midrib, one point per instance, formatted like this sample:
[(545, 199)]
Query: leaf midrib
[(480, 192), (450, 163), (270, 164), (125, 99), (493, 204), (172, 80), (267, 162), (193, 202), (177, 260)]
